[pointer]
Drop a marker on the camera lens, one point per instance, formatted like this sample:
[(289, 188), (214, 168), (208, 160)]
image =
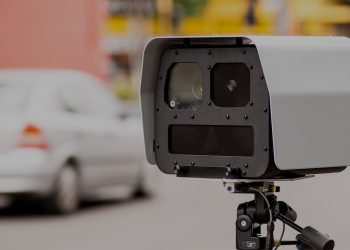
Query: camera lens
[(230, 85), (185, 86)]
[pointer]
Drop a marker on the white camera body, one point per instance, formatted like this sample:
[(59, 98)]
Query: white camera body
[(307, 108)]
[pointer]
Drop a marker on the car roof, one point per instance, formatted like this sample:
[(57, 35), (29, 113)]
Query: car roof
[(42, 76)]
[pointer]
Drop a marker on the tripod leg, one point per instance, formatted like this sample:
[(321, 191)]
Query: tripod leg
[(304, 247), (270, 241)]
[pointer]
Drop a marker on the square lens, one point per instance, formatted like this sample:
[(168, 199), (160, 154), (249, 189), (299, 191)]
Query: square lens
[(230, 85), (185, 86)]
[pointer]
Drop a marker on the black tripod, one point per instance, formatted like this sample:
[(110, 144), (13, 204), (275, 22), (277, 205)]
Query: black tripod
[(265, 209)]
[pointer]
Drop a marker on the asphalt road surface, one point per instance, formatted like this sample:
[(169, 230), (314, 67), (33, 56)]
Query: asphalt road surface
[(185, 215)]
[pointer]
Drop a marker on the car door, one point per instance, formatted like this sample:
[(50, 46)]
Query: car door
[(84, 124), (128, 148), (120, 151)]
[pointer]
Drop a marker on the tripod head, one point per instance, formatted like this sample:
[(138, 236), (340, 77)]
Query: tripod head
[(266, 209)]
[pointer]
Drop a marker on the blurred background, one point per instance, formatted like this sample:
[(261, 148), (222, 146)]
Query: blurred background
[(70, 126)]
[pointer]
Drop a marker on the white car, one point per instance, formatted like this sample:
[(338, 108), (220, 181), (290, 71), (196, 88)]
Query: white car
[(63, 138)]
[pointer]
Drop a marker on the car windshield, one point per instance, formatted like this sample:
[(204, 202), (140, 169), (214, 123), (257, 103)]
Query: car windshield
[(13, 97)]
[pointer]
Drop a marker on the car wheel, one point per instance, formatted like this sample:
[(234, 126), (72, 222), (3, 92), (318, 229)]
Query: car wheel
[(65, 198)]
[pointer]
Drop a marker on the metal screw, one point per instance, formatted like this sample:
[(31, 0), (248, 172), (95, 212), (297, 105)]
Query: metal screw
[(265, 148), (262, 76), (244, 52), (251, 103), (192, 116), (208, 67), (192, 163), (243, 223), (245, 117), (227, 117), (175, 116), (228, 164), (209, 103), (229, 188), (244, 172), (265, 110), (172, 103), (177, 170), (228, 171), (157, 145), (246, 165), (157, 108), (175, 162), (251, 67)]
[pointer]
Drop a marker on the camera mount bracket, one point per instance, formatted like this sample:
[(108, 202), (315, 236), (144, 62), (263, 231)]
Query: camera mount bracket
[(265, 209), (231, 182)]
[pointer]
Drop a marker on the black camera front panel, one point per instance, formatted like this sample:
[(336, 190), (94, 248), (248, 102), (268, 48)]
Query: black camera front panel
[(212, 112)]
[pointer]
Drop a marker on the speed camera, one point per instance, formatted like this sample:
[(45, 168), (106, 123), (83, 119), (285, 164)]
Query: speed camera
[(247, 107)]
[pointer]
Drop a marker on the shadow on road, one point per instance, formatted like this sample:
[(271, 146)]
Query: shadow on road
[(32, 209)]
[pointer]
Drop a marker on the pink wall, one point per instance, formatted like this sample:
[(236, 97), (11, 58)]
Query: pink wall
[(53, 34)]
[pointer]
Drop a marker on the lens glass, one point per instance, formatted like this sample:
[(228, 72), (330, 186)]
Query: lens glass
[(185, 86), (230, 85)]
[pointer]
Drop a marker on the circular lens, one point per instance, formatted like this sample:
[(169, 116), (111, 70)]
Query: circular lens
[(231, 86), (185, 90)]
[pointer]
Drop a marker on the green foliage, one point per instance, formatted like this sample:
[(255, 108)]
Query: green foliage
[(191, 7)]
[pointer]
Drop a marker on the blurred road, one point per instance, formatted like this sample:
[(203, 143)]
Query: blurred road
[(186, 215)]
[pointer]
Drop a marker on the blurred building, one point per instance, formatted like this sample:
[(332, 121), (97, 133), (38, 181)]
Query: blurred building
[(230, 17), (286, 17), (312, 17), (132, 22), (127, 29), (86, 34), (54, 34), (127, 23), (321, 17)]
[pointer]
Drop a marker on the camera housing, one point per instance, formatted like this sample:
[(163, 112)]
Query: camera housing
[(247, 107)]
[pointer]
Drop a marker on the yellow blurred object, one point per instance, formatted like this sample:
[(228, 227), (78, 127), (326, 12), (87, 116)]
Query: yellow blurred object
[(321, 11), (318, 17), (311, 17), (125, 91), (228, 17), (218, 17), (165, 9), (117, 25)]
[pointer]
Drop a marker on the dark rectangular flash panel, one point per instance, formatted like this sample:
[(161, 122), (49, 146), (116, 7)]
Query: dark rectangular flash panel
[(211, 140)]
